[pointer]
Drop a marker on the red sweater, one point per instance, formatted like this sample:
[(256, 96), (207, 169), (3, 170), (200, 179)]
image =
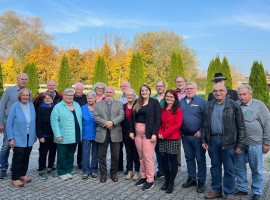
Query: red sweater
[(170, 124)]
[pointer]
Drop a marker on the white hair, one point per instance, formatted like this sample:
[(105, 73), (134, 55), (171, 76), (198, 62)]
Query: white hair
[(79, 83), (250, 91), (69, 90)]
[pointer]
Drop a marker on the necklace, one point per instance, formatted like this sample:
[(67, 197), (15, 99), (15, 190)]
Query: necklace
[(24, 107)]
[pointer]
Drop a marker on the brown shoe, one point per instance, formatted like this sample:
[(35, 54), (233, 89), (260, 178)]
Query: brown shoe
[(17, 183), (114, 178), (229, 197), (103, 179), (212, 195), (25, 179)]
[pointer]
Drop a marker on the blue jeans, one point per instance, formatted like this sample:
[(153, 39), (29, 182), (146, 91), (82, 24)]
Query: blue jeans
[(4, 152), (86, 148), (253, 155), (218, 157), (193, 150)]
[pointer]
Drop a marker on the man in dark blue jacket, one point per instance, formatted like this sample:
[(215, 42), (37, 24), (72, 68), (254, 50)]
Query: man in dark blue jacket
[(192, 107)]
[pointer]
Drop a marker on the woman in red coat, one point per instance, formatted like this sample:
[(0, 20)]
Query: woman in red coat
[(169, 135)]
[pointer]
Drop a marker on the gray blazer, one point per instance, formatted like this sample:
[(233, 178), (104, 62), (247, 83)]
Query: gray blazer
[(101, 117)]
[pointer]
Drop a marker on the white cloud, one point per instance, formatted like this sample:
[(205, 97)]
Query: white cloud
[(258, 21)]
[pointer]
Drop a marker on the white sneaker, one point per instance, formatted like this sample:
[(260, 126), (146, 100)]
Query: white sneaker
[(63, 177), (68, 176)]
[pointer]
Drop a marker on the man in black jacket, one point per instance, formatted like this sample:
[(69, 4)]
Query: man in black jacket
[(222, 135), (51, 86), (231, 94)]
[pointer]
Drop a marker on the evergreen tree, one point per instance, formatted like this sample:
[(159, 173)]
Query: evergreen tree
[(26, 68), (33, 81), (100, 74), (137, 72), (210, 76), (1, 82), (176, 69), (64, 77), (258, 82), (226, 71), (217, 68)]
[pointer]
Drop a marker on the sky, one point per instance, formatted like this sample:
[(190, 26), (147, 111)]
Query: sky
[(237, 29)]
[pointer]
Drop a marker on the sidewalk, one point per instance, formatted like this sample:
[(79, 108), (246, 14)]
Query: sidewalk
[(76, 188)]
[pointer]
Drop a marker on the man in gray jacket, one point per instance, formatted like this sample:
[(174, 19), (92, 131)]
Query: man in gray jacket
[(257, 141), (108, 115), (9, 97)]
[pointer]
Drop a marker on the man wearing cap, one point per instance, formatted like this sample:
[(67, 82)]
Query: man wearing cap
[(231, 94), (257, 143)]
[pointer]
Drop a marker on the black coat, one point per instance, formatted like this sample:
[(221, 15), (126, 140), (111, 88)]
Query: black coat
[(231, 94), (43, 122), (153, 118), (233, 130)]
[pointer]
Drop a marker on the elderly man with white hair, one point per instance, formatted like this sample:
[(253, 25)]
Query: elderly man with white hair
[(108, 115), (57, 97), (80, 98), (257, 141)]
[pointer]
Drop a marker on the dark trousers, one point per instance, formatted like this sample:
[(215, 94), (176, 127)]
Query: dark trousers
[(132, 154), (89, 147), (102, 156), (121, 157), (79, 154), (65, 158), (218, 157), (44, 148), (170, 174), (20, 161)]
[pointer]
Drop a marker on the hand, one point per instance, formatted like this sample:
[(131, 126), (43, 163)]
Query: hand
[(181, 133), (205, 146), (108, 124), (160, 136), (11, 143), (238, 151), (131, 135), (59, 139), (153, 138), (265, 148), (42, 140), (2, 127), (198, 134)]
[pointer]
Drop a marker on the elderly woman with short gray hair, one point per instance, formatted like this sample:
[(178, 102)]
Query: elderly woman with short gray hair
[(66, 122), (99, 89), (88, 138)]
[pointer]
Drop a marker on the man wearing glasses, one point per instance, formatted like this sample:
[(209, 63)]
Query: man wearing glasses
[(223, 136), (160, 88), (192, 107), (231, 94)]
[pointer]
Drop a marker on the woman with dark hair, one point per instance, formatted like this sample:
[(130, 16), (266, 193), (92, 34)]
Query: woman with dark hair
[(144, 125), (45, 136), (169, 135)]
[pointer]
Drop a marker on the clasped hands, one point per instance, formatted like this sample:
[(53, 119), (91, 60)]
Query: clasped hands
[(108, 125)]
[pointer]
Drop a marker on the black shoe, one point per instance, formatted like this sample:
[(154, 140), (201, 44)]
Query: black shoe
[(201, 187), (189, 183), (141, 182), (148, 186), (170, 188), (238, 192), (80, 166), (126, 172), (3, 174), (159, 175), (256, 197), (164, 187)]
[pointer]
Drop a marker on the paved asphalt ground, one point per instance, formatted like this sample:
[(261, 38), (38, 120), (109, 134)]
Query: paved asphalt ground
[(76, 188)]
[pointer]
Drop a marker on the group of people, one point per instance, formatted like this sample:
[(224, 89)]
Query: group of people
[(232, 126)]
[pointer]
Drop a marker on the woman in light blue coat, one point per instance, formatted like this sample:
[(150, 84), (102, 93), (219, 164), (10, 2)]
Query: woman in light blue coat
[(21, 131), (66, 122), (88, 138)]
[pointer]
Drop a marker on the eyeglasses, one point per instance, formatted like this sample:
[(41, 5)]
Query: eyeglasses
[(216, 91), (68, 95), (99, 88), (159, 86), (190, 89)]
